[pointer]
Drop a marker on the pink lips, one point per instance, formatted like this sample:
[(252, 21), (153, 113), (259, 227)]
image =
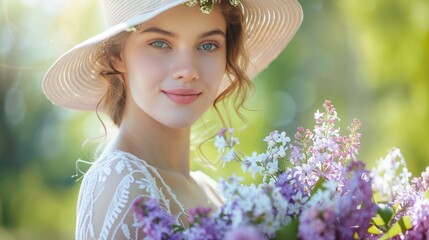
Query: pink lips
[(182, 95)]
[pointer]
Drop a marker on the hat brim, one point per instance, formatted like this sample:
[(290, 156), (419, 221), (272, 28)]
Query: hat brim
[(270, 25)]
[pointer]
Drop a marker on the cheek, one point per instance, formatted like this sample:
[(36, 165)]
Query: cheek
[(145, 70), (214, 70)]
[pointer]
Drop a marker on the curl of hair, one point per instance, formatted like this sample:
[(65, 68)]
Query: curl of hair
[(114, 96), (237, 60)]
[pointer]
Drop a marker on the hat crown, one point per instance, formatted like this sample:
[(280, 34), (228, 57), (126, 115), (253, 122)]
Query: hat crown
[(118, 11)]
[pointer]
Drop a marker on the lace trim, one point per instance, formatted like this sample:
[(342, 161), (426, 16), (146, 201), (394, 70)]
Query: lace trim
[(153, 169)]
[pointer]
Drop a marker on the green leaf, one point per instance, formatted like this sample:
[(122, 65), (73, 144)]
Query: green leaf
[(401, 226), (379, 222), (385, 212), (289, 231), (374, 230), (377, 197), (318, 185)]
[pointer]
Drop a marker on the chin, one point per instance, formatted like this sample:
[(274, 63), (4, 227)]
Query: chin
[(178, 122)]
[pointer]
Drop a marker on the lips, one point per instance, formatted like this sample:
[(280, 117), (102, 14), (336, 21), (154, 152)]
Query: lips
[(182, 96)]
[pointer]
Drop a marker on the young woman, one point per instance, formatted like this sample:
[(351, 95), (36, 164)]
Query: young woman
[(158, 67)]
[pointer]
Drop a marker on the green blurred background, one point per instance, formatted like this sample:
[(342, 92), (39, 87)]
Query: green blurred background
[(369, 57)]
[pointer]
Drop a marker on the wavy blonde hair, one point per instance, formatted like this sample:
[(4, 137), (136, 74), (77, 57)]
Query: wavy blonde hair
[(114, 97)]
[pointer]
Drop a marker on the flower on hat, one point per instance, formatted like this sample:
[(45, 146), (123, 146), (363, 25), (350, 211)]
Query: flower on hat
[(206, 6)]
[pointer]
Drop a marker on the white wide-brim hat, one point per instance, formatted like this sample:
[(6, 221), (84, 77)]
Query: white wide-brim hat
[(72, 83)]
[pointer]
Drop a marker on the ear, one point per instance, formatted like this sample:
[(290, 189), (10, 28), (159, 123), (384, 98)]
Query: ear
[(118, 63)]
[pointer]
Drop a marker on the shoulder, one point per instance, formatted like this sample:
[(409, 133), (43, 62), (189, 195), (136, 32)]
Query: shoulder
[(209, 186), (117, 169), (108, 190), (114, 165)]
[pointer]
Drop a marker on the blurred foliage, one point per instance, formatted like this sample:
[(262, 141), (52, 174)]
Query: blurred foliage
[(368, 57)]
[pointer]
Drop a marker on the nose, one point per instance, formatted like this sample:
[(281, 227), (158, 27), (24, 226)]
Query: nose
[(185, 68)]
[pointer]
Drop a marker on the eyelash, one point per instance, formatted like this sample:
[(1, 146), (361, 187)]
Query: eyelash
[(159, 41), (166, 45), (212, 44)]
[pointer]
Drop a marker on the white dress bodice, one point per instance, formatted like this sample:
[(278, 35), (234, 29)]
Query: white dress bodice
[(110, 186)]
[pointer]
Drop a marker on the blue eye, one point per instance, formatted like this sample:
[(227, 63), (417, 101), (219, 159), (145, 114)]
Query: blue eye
[(207, 47), (159, 44)]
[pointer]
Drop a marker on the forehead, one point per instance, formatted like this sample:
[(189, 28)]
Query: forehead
[(183, 18)]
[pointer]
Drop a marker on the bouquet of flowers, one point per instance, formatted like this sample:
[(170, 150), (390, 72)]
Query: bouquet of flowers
[(313, 187)]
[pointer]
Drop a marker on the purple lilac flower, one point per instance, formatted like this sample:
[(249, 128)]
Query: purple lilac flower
[(317, 223), (202, 226), (323, 152), (421, 184), (351, 144), (420, 221), (157, 223), (292, 190), (244, 233), (355, 208), (195, 214), (301, 145)]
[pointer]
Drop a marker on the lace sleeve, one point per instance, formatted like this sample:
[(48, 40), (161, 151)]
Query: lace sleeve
[(108, 189)]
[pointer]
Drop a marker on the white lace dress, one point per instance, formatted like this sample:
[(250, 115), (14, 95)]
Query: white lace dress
[(108, 189)]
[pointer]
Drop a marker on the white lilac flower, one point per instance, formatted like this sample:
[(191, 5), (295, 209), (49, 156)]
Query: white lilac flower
[(229, 156), (262, 205), (272, 167), (278, 144), (325, 195), (318, 115), (233, 141), (390, 175), (254, 164), (231, 186), (220, 143)]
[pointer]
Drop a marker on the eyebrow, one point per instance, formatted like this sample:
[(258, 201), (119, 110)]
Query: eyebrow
[(216, 31)]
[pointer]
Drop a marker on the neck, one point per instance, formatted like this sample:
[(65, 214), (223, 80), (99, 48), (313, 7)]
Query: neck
[(160, 146)]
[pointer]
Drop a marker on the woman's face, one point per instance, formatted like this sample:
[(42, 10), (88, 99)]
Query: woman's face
[(174, 65)]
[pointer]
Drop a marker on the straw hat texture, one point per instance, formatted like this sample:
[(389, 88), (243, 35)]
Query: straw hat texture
[(72, 83)]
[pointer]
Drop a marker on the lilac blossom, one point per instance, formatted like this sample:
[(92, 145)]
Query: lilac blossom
[(254, 164), (249, 205), (317, 223), (355, 208), (317, 179), (420, 221), (421, 184), (156, 222), (244, 233), (300, 148), (292, 190), (393, 181), (278, 144), (224, 141), (203, 226), (390, 175)]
